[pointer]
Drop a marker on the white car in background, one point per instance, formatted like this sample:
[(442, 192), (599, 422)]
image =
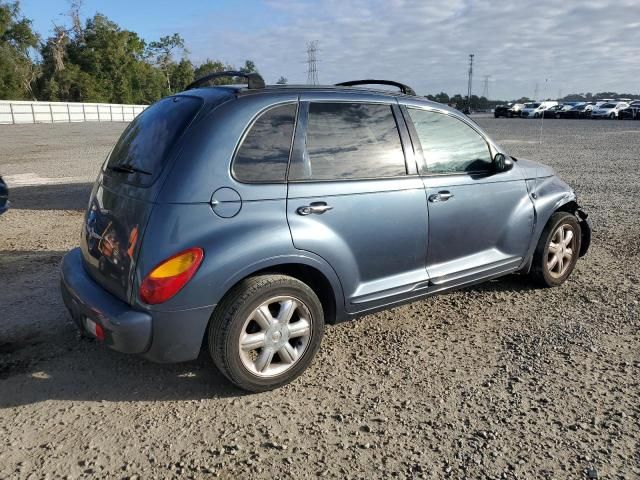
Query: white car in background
[(608, 110), (528, 109), (535, 109)]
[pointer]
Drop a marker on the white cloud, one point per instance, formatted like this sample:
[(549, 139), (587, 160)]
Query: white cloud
[(576, 46)]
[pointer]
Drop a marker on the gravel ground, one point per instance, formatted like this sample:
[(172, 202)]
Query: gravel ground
[(497, 381)]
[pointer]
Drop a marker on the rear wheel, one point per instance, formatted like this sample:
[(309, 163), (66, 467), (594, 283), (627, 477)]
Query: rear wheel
[(557, 251), (266, 331), (612, 116)]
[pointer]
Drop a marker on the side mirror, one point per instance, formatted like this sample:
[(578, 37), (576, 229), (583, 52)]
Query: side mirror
[(502, 163)]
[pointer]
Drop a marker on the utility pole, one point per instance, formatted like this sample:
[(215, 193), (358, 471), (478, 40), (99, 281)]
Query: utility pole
[(470, 81), (312, 63)]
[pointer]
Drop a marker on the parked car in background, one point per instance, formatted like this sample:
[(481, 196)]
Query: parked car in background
[(248, 217), (552, 112), (608, 110), (528, 109), (578, 111), (4, 196), (631, 112), (503, 111), (516, 109), (537, 111)]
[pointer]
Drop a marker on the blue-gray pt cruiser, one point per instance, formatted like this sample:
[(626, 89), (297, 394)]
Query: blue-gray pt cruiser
[(243, 218)]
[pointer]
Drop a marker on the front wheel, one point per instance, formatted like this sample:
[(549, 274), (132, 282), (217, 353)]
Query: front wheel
[(266, 331), (612, 116), (557, 251)]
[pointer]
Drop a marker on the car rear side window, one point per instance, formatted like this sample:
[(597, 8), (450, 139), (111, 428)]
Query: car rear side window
[(350, 141), (449, 145), (144, 146), (264, 153)]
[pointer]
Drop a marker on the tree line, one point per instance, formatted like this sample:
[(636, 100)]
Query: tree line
[(94, 61)]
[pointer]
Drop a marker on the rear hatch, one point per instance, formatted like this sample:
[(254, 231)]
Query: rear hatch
[(123, 196)]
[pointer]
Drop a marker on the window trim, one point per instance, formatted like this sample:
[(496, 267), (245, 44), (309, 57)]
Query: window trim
[(300, 141), (419, 153), (246, 131)]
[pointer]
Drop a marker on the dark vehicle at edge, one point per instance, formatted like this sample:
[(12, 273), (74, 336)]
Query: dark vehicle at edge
[(632, 112), (4, 196)]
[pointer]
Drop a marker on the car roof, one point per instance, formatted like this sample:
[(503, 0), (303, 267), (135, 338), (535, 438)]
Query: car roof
[(242, 90)]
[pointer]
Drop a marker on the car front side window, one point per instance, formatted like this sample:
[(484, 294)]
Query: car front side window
[(449, 145)]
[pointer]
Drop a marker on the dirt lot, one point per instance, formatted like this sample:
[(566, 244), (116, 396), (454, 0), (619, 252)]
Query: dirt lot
[(497, 381)]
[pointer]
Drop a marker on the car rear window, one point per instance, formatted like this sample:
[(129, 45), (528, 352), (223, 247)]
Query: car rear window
[(144, 146), (264, 154)]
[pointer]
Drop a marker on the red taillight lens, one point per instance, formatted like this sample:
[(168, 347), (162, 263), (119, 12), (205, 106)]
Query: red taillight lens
[(166, 279)]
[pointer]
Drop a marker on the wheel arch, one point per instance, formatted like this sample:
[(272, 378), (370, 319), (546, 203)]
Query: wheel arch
[(545, 208), (317, 274)]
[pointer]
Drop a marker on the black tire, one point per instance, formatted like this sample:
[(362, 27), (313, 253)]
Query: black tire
[(539, 269), (612, 116), (229, 317), (557, 116)]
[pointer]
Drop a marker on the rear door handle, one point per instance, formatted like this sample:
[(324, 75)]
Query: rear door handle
[(441, 196), (315, 207)]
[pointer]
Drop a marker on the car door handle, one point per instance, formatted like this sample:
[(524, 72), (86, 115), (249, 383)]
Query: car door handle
[(315, 207), (442, 196)]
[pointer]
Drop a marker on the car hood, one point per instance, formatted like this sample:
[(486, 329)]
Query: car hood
[(531, 169)]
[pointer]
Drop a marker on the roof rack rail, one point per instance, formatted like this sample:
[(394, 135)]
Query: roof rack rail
[(403, 88), (254, 80)]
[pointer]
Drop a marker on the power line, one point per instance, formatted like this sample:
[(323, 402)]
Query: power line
[(312, 62)]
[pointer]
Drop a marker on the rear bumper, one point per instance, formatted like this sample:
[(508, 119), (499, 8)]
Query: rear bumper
[(161, 336)]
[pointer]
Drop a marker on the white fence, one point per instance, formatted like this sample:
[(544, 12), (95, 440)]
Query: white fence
[(14, 112)]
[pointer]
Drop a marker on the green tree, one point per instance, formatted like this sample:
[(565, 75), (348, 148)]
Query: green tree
[(213, 66), (99, 63), (249, 67), (163, 51), (18, 71)]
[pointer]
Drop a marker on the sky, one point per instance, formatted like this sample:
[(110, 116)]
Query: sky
[(549, 46)]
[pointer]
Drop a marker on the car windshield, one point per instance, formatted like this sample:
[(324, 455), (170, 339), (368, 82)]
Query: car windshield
[(531, 105), (608, 105), (579, 107)]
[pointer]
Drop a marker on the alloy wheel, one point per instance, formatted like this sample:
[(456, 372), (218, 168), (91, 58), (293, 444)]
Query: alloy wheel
[(561, 250), (275, 336)]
